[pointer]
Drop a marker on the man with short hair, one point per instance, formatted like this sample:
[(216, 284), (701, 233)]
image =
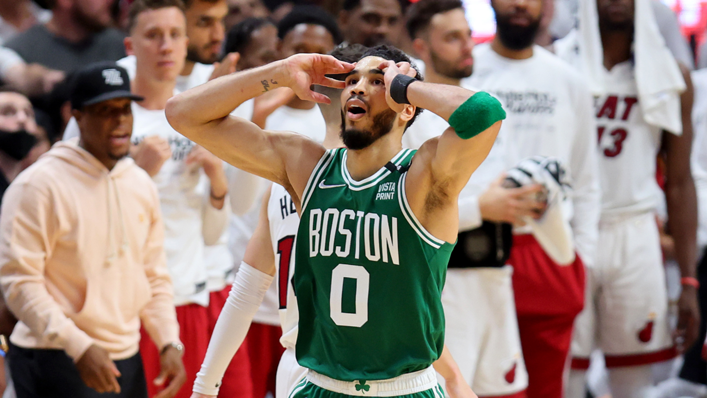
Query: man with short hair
[(483, 338), (307, 29), (78, 34), (270, 252), (353, 282), (642, 110), (205, 31), (159, 43), (256, 40), (82, 260), (371, 22), (549, 115)]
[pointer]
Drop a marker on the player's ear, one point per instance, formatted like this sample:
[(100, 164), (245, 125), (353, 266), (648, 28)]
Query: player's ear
[(128, 43), (419, 46), (77, 114), (407, 113)]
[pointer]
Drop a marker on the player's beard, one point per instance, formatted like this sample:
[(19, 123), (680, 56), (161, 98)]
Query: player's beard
[(356, 139), (89, 22), (445, 69), (513, 36), (194, 56), (607, 23)]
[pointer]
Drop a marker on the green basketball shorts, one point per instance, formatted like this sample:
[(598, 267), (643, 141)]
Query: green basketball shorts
[(422, 384)]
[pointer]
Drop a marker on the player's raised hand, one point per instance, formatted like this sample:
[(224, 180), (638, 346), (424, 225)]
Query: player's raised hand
[(304, 70), (391, 69)]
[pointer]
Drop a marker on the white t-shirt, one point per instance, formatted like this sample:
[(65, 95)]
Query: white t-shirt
[(199, 75), (549, 113), (219, 258), (284, 223), (429, 125), (310, 123), (699, 150), (181, 207)]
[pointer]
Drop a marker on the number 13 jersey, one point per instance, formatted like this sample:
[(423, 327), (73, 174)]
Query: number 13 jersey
[(628, 146), (368, 276)]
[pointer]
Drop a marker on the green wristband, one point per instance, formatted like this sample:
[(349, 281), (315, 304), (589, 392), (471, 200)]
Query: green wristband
[(476, 114)]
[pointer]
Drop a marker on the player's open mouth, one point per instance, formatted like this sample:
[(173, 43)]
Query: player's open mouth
[(355, 109)]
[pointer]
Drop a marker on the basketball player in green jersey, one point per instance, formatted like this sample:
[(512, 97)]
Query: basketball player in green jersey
[(377, 222)]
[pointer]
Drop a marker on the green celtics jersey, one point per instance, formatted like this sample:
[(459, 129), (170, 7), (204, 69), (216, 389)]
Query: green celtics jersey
[(368, 276)]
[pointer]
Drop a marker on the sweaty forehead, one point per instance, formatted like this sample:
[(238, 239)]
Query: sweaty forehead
[(368, 63)]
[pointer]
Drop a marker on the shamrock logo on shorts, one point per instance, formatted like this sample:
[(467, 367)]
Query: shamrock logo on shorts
[(362, 386)]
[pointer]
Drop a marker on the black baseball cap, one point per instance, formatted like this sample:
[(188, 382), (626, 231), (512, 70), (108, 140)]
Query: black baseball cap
[(100, 82)]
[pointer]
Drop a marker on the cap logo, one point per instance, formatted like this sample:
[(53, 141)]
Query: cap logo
[(113, 77)]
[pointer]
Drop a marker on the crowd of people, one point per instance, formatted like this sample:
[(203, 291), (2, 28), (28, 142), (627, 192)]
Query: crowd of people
[(150, 235)]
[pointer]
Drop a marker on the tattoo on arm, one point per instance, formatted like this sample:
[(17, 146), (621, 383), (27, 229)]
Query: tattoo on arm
[(266, 85)]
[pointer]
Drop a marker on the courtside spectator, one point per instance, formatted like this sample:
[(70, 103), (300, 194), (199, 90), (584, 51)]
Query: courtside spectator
[(159, 43), (255, 39), (82, 262), (371, 22), (77, 34), (17, 135)]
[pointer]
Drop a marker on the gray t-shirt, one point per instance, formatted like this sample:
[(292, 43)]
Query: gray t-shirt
[(38, 45)]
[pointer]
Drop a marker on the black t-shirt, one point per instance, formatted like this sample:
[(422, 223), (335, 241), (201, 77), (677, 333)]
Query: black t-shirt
[(39, 45)]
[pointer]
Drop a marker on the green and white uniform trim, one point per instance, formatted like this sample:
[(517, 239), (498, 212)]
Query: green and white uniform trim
[(368, 276), (421, 384)]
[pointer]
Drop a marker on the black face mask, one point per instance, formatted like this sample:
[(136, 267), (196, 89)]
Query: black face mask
[(16, 144)]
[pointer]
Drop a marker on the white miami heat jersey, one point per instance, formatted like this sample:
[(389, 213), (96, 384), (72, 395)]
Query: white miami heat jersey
[(284, 222), (628, 146)]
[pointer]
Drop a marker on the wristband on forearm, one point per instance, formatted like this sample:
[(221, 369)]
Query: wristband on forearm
[(399, 88), (476, 114)]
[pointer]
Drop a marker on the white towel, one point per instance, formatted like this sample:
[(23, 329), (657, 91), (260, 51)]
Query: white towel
[(552, 230), (658, 75)]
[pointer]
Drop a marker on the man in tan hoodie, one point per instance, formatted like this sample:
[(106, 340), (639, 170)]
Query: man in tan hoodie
[(82, 263)]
